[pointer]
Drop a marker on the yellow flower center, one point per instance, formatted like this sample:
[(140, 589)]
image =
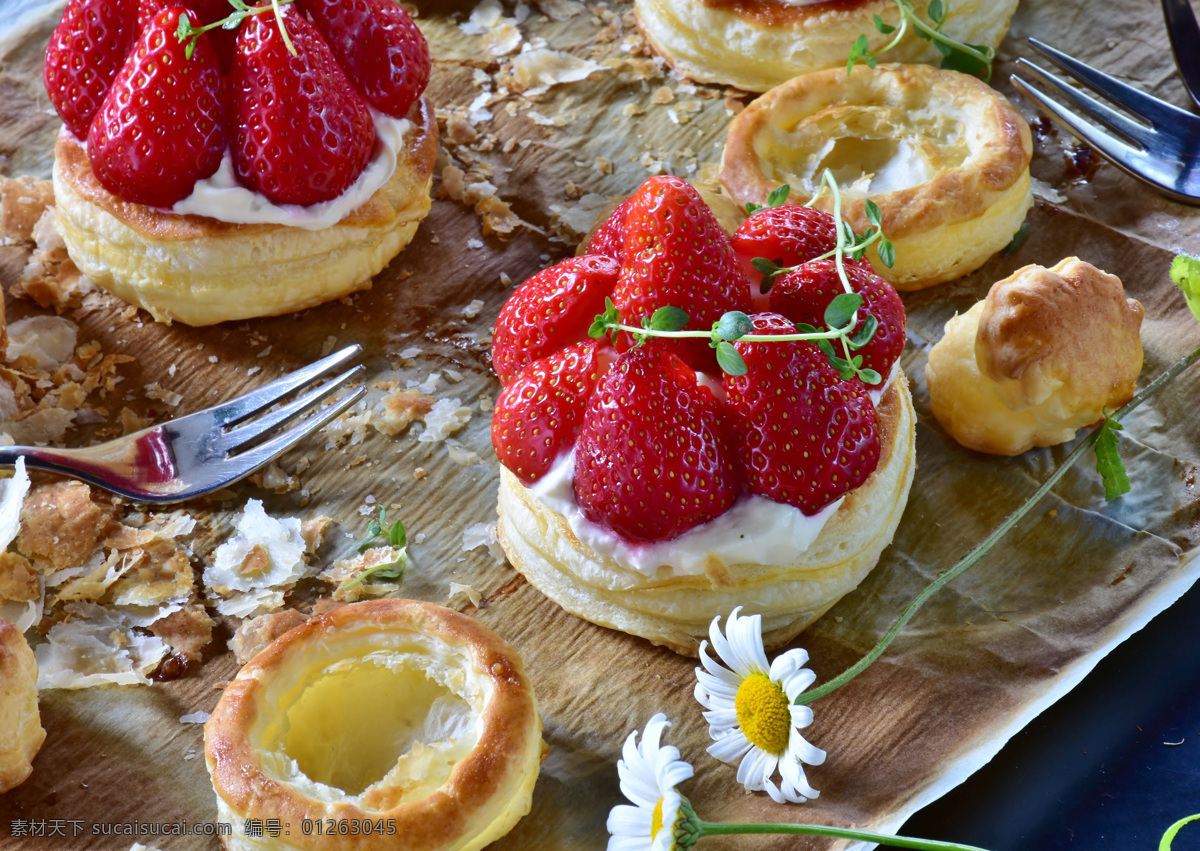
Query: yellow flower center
[(763, 714), (656, 822)]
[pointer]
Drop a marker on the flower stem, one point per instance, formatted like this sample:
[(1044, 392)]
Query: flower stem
[(706, 828), (984, 546)]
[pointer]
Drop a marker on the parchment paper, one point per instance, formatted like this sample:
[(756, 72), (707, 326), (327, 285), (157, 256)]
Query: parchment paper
[(997, 646)]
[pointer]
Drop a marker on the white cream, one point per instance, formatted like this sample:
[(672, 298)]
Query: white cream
[(221, 197), (755, 530)]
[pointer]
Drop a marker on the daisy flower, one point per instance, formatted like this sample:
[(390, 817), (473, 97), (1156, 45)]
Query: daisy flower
[(752, 713), (649, 774)]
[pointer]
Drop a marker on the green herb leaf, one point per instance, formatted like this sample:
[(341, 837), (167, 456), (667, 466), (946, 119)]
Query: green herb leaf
[(870, 376), (778, 195), (936, 12), (762, 264), (841, 310), (374, 528), (396, 535), (729, 360), (865, 332), (805, 328), (1108, 460), (826, 348), (734, 325), (882, 26), (606, 320), (1185, 272), (957, 60), (668, 318), (388, 570), (752, 208), (1018, 238), (874, 216), (886, 251), (859, 52)]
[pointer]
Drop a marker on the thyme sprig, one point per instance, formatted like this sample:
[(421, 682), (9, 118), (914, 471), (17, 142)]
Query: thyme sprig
[(974, 59), (187, 32), (395, 537)]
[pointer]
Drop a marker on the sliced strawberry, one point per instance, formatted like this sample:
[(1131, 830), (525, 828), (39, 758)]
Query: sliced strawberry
[(85, 51), (676, 253), (382, 50), (804, 436), (161, 125), (609, 239), (303, 134), (551, 310), (803, 295), (539, 413), (206, 12), (787, 235), (653, 458)]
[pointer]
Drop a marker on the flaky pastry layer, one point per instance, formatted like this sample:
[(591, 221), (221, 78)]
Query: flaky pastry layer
[(258, 742), (759, 44), (201, 271), (21, 733), (676, 610), (944, 156)]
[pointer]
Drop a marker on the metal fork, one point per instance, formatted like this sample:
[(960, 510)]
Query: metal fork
[(1155, 142), (207, 450), (1185, 43)]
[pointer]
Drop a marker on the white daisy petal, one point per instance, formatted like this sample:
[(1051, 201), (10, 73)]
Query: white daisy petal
[(624, 819), (730, 748), (795, 784), (776, 795), (805, 751), (786, 664), (649, 773)]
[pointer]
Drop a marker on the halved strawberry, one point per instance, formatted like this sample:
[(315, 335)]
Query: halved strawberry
[(803, 295), (303, 134), (609, 239), (786, 235), (653, 458), (206, 12), (85, 51), (539, 413), (676, 253), (161, 125), (551, 310), (804, 436), (382, 50)]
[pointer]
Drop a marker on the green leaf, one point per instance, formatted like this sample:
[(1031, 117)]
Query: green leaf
[(874, 216), (752, 208), (882, 26), (859, 52), (606, 320), (734, 325), (841, 310), (805, 328), (1164, 844), (886, 251), (730, 360), (778, 195), (374, 528), (870, 376), (1185, 272), (936, 11), (668, 318), (388, 570), (1018, 239), (826, 348), (396, 535), (957, 60), (762, 264), (865, 332), (1108, 460)]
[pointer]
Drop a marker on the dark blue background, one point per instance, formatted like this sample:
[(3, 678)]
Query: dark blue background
[(1092, 771)]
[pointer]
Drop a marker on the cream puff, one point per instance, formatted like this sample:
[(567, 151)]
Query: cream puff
[(759, 44), (21, 733), (383, 723), (945, 157), (1049, 351)]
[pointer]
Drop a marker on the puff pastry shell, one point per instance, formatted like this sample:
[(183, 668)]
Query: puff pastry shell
[(676, 610), (21, 733), (201, 271), (320, 725), (944, 156), (759, 44)]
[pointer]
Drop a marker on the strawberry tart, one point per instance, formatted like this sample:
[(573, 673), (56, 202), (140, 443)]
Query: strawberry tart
[(652, 481), (218, 164)]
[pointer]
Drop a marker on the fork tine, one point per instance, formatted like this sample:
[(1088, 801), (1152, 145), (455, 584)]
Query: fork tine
[(1094, 109), (243, 435), (1137, 102), (1185, 38), (239, 409)]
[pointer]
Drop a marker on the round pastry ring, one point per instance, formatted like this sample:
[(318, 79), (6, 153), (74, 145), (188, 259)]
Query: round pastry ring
[(258, 765)]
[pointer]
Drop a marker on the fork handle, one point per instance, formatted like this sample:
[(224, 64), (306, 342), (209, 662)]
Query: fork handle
[(124, 466)]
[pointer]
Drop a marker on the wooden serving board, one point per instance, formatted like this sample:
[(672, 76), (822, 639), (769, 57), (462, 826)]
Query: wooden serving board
[(998, 645)]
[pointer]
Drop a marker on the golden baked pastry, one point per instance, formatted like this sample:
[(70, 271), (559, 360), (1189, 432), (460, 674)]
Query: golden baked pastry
[(1045, 354), (674, 609), (200, 271), (21, 733), (406, 719), (758, 44), (944, 156)]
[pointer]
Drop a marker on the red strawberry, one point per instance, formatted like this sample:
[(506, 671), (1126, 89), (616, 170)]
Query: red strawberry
[(160, 128), (787, 235), (380, 47), (85, 52), (206, 12), (653, 458), (303, 134), (539, 413), (803, 295), (676, 253), (551, 310), (609, 238), (804, 436)]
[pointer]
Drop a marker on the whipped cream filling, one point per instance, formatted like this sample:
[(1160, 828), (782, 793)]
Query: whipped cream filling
[(221, 197), (755, 530)]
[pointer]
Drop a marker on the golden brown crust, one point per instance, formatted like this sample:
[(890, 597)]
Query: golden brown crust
[(975, 143), (21, 733), (498, 766)]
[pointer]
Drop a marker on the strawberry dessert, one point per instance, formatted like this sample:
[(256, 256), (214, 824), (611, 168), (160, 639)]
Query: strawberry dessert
[(679, 437), (220, 162)]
